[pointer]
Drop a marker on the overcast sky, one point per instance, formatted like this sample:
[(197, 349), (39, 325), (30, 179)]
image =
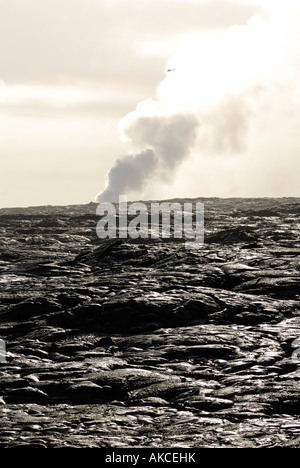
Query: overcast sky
[(85, 97)]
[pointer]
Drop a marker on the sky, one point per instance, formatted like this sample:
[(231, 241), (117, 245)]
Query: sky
[(151, 99)]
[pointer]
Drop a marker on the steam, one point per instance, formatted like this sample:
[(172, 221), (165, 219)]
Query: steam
[(167, 141), (225, 131), (243, 85), (128, 174)]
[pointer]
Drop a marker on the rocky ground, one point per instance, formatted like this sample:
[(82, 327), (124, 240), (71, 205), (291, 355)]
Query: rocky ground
[(122, 344)]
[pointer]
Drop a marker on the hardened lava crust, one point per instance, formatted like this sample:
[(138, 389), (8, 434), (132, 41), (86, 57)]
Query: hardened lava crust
[(148, 344)]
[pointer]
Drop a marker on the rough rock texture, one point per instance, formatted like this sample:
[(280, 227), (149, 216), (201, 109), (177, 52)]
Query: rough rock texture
[(147, 344)]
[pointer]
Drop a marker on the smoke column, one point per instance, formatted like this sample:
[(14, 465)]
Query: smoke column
[(165, 141), (128, 175)]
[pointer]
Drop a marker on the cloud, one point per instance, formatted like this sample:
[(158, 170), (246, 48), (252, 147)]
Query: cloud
[(64, 101), (2, 92), (69, 41), (120, 47)]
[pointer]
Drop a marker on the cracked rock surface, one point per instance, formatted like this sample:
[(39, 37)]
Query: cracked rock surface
[(148, 344)]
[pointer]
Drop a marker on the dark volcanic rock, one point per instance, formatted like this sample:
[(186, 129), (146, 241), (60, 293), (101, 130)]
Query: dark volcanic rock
[(147, 344), (26, 395), (87, 392), (233, 236), (37, 306)]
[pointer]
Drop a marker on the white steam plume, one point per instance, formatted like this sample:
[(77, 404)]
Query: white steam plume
[(243, 85), (168, 140), (127, 175)]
